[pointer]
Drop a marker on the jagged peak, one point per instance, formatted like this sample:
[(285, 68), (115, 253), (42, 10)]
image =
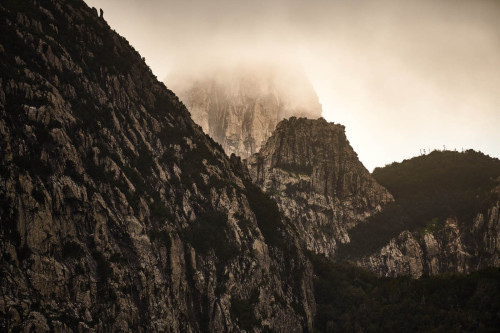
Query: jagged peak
[(309, 163)]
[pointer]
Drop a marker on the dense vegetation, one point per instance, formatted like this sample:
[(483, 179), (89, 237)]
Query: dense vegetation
[(350, 299), (267, 214), (295, 168), (427, 190), (209, 232)]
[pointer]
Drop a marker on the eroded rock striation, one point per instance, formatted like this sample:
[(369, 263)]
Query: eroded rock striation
[(240, 106), (310, 169), (117, 212), (445, 218), (457, 247)]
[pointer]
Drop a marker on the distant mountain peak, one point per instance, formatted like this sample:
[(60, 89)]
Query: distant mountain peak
[(239, 106)]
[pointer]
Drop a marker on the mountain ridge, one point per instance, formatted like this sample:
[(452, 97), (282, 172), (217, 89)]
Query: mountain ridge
[(108, 190), (310, 169), (444, 218), (119, 214)]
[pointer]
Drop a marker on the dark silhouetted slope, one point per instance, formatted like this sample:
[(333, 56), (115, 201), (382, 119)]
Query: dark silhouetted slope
[(117, 212), (442, 198), (350, 299)]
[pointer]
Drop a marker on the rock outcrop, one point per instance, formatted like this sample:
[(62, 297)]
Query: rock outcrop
[(310, 169), (457, 247), (117, 212), (445, 218), (239, 107)]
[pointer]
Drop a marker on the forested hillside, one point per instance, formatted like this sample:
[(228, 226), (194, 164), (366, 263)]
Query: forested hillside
[(427, 190)]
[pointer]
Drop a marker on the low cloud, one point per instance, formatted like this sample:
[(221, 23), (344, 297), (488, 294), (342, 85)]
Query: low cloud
[(401, 75)]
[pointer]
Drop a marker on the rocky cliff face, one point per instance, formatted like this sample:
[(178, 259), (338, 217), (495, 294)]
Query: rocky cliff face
[(117, 212), (313, 173), (240, 107), (457, 247)]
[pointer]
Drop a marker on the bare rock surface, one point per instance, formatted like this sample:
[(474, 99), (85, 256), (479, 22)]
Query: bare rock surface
[(117, 212), (240, 106), (457, 247), (310, 169)]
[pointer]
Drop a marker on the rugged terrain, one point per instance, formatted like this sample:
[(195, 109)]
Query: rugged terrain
[(310, 169), (117, 212), (455, 247), (240, 106), (445, 217)]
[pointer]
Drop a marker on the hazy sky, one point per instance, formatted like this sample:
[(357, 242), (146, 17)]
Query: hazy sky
[(401, 75)]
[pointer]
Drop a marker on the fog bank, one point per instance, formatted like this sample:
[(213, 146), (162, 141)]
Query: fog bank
[(400, 75)]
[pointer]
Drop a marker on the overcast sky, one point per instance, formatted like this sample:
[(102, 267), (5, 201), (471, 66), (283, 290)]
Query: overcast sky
[(401, 75)]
